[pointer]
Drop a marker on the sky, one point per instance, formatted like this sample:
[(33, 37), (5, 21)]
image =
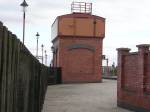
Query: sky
[(127, 22)]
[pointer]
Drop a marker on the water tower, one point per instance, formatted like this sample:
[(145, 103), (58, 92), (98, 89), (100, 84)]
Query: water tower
[(77, 44)]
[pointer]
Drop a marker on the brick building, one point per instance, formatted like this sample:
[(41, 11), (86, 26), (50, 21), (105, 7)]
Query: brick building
[(77, 44), (133, 91)]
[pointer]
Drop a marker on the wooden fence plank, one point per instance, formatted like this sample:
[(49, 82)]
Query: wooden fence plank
[(9, 75), (18, 78), (1, 39), (1, 36), (14, 81), (4, 71)]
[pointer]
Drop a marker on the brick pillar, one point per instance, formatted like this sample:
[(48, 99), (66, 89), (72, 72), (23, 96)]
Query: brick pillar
[(142, 50), (121, 53)]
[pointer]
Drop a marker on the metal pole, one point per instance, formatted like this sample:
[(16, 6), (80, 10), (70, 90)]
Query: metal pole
[(24, 5), (45, 58), (23, 26), (113, 67), (37, 48), (42, 52), (52, 48), (53, 58), (107, 66)]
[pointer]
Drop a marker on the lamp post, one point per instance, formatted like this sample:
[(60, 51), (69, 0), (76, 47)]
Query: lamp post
[(113, 68), (45, 58), (42, 52), (52, 48), (37, 35), (107, 68), (24, 5)]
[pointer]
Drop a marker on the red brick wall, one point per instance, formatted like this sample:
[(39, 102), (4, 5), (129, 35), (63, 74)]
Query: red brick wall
[(130, 79), (80, 59), (133, 89), (147, 73)]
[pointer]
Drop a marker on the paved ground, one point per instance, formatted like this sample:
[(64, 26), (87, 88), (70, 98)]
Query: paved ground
[(89, 97)]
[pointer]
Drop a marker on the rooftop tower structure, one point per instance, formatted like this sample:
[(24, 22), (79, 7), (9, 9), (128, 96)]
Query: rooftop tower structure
[(77, 44)]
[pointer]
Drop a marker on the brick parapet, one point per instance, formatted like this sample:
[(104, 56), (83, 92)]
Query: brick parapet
[(133, 69)]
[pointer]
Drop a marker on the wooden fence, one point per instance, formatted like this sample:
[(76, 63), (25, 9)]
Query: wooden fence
[(23, 79)]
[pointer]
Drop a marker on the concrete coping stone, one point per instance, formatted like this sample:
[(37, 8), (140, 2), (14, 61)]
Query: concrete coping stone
[(123, 49), (143, 45)]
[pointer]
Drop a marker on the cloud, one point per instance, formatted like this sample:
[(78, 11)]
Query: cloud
[(51, 5)]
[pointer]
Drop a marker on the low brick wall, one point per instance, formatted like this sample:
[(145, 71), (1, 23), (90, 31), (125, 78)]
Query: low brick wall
[(133, 89), (23, 79)]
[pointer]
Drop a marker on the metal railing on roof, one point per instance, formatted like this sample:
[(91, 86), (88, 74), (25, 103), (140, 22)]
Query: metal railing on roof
[(81, 7)]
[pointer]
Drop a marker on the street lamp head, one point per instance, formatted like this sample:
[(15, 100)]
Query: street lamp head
[(24, 4), (37, 34), (103, 57), (52, 48), (42, 45)]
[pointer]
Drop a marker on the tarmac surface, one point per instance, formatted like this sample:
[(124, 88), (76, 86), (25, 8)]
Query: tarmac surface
[(87, 97)]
